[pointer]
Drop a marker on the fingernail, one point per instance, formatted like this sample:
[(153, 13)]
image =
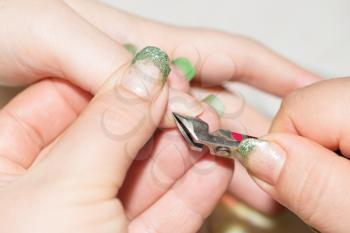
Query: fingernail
[(186, 67), (182, 103), (215, 103), (131, 48), (148, 72), (263, 159), (155, 55)]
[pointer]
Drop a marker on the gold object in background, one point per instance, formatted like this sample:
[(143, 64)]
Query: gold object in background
[(232, 216)]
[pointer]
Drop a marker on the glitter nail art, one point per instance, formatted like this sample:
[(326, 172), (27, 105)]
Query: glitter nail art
[(157, 56), (248, 145)]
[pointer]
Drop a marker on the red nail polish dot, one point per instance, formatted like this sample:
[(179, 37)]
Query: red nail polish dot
[(237, 136)]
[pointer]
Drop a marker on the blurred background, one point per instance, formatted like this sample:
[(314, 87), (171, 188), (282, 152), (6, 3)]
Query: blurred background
[(315, 34)]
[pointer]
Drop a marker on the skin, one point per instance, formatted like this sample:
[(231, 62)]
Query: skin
[(313, 180), (36, 145)]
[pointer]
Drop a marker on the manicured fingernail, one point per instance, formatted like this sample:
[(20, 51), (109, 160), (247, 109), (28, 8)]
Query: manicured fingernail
[(148, 73), (182, 103), (157, 56), (186, 67), (215, 103), (262, 158), (131, 48)]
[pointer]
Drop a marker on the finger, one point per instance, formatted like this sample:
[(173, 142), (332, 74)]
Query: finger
[(245, 189), (238, 116), (318, 113), (99, 147), (165, 160), (186, 205), (218, 57), (25, 129), (59, 44), (181, 103), (304, 176)]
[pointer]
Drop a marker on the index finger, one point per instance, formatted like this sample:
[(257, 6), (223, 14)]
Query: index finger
[(217, 56)]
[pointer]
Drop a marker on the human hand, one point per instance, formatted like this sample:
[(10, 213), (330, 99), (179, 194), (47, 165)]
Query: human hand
[(304, 162), (82, 43), (72, 184)]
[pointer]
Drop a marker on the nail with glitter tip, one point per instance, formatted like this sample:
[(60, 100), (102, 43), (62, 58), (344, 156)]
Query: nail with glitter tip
[(131, 48), (186, 67), (148, 73), (157, 56), (215, 103), (263, 159)]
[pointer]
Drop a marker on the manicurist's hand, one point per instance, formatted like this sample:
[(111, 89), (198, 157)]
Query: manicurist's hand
[(78, 44), (304, 162), (72, 184)]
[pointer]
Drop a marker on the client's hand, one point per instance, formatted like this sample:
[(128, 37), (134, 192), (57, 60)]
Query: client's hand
[(72, 184)]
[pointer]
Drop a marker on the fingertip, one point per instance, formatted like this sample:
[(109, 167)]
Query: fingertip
[(210, 115), (307, 79), (181, 103), (177, 81)]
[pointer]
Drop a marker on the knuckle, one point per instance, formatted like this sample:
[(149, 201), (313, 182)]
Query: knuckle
[(288, 117), (292, 100)]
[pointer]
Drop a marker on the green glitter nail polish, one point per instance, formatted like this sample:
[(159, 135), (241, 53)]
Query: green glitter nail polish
[(157, 56), (131, 48), (215, 103), (186, 67), (248, 145)]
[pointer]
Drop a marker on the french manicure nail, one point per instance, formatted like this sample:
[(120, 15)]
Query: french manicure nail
[(215, 103), (148, 73), (263, 159), (155, 55), (186, 67), (183, 103)]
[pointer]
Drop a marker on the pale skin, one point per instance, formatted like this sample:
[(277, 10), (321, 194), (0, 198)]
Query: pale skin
[(312, 130), (59, 171)]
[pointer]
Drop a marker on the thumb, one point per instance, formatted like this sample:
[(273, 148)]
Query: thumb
[(99, 147), (305, 177)]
